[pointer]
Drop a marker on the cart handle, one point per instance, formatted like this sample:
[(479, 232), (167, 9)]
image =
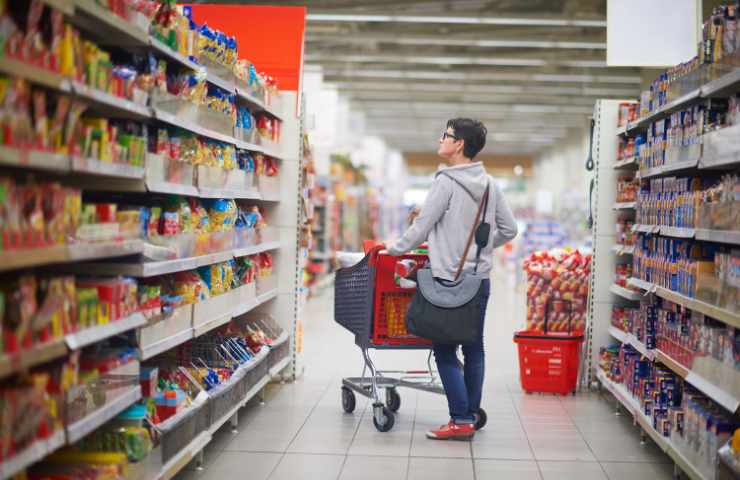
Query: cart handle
[(372, 254)]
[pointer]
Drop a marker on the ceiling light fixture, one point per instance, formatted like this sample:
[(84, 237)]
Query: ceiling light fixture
[(455, 42), (509, 21), (442, 60), (472, 76)]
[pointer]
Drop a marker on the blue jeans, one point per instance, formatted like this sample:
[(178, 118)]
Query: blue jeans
[(464, 387)]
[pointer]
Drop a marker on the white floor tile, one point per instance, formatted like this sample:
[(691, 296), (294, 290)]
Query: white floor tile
[(571, 471), (298, 466), (507, 470), (440, 469), (359, 467), (638, 471)]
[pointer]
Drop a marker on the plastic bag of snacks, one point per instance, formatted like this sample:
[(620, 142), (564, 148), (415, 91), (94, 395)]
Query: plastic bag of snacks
[(557, 290)]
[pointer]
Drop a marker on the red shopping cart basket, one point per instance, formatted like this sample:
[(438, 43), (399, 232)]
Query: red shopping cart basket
[(391, 303), (548, 363), (368, 302)]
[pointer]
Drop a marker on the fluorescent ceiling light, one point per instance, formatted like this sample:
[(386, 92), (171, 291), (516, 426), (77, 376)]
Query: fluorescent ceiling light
[(442, 60), (510, 21), (455, 42), (490, 76), (428, 87)]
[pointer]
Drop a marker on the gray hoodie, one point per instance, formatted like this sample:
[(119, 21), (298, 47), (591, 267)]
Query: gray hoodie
[(447, 217)]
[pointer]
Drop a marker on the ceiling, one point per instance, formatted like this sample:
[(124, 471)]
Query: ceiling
[(529, 69)]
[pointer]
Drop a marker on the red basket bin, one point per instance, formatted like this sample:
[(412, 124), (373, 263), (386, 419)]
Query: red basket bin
[(548, 363), (390, 304)]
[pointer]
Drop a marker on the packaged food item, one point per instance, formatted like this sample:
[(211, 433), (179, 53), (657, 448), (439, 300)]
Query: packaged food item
[(557, 289)]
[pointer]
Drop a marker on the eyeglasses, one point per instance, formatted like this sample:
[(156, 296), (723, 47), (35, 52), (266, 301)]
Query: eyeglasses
[(446, 135)]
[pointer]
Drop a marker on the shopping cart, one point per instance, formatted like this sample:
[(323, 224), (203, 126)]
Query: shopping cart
[(368, 303)]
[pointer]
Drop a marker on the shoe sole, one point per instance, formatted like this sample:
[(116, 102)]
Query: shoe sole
[(459, 438)]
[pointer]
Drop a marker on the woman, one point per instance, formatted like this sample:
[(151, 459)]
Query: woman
[(445, 221)]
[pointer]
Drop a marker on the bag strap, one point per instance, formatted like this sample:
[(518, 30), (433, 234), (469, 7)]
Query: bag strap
[(483, 220), (483, 201)]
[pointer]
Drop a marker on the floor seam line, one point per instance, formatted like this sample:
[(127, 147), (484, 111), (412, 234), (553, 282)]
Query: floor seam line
[(411, 443), (526, 435), (349, 447), (299, 430)]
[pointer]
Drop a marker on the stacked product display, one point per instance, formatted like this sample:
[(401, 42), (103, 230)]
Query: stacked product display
[(142, 180), (676, 365), (557, 291)]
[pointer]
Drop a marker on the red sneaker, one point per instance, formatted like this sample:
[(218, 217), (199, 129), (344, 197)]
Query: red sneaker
[(453, 431)]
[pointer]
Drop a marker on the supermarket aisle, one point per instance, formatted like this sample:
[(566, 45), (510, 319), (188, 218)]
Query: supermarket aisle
[(302, 431)]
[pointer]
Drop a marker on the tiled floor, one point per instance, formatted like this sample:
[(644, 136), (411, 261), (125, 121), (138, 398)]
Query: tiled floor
[(302, 433)]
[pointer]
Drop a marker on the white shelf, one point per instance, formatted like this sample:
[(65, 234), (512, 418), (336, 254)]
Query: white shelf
[(37, 355), (643, 228), (220, 82), (629, 339), (266, 297), (255, 249), (252, 147), (625, 293), (88, 336), (154, 349), (279, 367), (677, 232), (172, 188), (282, 338), (34, 74), (256, 102), (162, 48), (627, 163), (152, 269), (121, 105), (623, 249), (624, 206), (271, 152), (721, 314), (94, 166), (721, 83), (211, 324), (715, 392), (720, 236), (249, 98), (205, 192), (84, 426), (27, 158), (193, 127), (31, 454), (103, 17), (32, 257), (670, 168), (633, 406), (92, 251)]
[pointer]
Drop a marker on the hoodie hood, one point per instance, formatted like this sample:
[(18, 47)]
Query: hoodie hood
[(472, 175)]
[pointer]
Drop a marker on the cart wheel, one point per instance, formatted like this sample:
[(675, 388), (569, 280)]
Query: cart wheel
[(348, 400), (392, 399), (481, 420), (383, 418)]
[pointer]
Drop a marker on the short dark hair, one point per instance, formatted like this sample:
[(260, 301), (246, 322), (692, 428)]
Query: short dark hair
[(472, 131)]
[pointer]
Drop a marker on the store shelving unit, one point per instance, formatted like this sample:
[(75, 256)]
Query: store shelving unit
[(719, 150), (665, 444), (123, 257)]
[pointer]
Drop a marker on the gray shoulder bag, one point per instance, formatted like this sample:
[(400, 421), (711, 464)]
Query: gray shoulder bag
[(448, 312)]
